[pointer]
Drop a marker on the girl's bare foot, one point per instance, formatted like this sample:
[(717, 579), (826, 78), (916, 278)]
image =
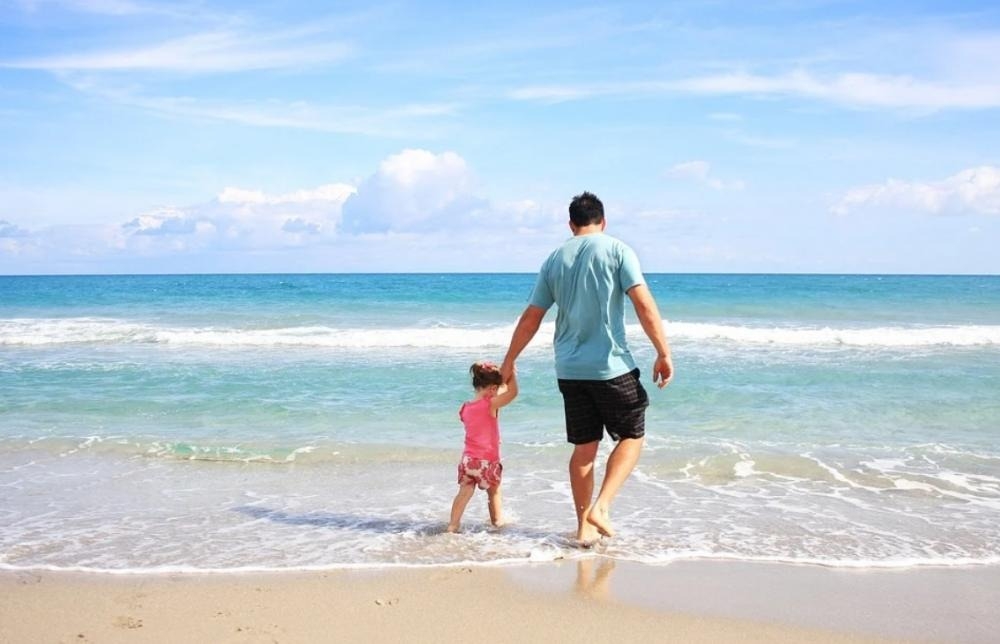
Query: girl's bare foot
[(598, 517), (452, 528), (587, 535)]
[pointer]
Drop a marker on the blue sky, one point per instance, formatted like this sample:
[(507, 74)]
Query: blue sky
[(150, 137)]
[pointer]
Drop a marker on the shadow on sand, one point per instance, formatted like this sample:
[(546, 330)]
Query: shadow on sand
[(343, 521), (346, 521)]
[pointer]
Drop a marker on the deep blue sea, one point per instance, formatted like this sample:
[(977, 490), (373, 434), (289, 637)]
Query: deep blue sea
[(259, 422)]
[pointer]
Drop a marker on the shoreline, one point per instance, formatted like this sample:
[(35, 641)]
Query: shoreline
[(586, 598)]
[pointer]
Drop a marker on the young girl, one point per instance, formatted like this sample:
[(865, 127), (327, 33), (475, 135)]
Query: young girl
[(480, 465)]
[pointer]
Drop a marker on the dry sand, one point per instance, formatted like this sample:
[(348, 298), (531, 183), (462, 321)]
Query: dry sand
[(573, 601)]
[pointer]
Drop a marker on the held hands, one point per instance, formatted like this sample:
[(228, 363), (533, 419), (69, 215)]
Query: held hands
[(507, 371), (663, 371)]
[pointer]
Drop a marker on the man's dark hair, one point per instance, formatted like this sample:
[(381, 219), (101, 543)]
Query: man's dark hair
[(586, 209)]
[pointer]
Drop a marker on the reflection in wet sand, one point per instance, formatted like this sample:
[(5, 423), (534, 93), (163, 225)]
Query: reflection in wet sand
[(592, 574)]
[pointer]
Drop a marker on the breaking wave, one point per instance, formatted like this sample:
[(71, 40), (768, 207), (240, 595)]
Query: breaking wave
[(86, 330)]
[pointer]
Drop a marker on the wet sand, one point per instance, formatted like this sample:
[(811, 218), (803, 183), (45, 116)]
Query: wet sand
[(593, 599)]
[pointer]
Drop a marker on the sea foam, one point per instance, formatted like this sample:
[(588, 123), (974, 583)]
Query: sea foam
[(106, 331)]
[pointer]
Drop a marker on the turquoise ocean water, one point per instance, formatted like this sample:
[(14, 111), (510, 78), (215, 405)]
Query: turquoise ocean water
[(237, 422)]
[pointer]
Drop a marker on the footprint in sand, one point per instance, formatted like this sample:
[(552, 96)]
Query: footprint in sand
[(127, 621)]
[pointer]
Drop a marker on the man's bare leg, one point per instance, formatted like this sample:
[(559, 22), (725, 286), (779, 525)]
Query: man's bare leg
[(621, 462), (581, 479)]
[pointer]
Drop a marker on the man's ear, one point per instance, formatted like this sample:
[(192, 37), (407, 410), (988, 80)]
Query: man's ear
[(572, 226)]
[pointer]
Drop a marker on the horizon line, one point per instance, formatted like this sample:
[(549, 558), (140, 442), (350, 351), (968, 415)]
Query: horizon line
[(316, 273)]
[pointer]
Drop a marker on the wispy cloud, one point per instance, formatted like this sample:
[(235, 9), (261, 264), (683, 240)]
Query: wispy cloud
[(855, 89), (416, 120), (759, 141), (971, 191), (860, 90), (701, 172), (209, 52), (400, 121), (102, 7)]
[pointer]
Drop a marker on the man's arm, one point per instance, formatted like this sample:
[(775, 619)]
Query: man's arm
[(525, 330), (652, 324)]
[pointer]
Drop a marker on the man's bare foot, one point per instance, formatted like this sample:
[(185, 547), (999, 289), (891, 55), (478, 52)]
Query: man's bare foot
[(598, 517), (452, 528), (499, 524)]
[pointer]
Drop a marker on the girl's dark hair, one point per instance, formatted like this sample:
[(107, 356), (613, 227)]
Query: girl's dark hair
[(485, 374)]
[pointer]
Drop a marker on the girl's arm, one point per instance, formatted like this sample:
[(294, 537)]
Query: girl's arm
[(505, 395)]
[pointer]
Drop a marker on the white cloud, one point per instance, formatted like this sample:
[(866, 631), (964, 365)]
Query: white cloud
[(288, 217), (238, 219), (971, 191), (163, 221), (413, 190), (419, 210), (700, 172)]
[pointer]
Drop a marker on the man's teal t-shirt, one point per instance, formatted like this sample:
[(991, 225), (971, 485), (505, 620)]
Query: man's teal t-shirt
[(588, 278)]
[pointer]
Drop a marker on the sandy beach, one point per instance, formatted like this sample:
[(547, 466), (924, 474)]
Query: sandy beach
[(594, 599)]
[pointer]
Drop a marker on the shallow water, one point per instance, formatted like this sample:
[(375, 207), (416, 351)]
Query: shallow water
[(277, 422)]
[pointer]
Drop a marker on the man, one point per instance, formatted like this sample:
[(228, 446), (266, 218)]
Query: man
[(588, 278)]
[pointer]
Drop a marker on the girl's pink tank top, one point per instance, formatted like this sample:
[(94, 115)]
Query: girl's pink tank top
[(482, 430)]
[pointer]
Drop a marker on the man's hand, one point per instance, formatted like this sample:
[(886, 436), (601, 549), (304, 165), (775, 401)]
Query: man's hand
[(663, 371), (507, 371)]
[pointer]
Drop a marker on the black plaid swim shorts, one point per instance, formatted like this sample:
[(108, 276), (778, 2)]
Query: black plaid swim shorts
[(618, 405)]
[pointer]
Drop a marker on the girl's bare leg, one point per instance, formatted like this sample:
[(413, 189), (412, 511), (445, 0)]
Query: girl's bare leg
[(458, 506), (495, 499)]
